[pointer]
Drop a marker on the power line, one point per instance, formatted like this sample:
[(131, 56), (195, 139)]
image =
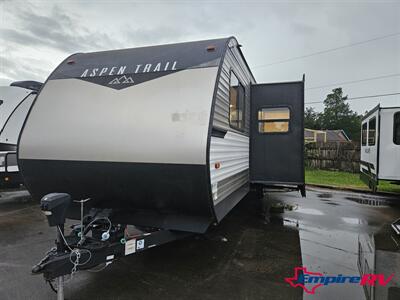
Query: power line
[(353, 81), (327, 50), (361, 97)]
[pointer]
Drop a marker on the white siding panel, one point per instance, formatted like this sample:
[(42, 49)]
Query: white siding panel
[(232, 154), (232, 151)]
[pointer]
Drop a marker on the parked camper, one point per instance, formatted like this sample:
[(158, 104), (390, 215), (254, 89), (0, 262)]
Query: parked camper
[(166, 138), (15, 102), (380, 146)]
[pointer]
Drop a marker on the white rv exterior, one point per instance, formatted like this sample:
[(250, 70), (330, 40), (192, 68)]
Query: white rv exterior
[(380, 146), (15, 102)]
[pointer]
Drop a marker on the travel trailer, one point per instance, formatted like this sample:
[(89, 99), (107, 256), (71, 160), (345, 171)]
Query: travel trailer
[(15, 102), (166, 138), (380, 146)]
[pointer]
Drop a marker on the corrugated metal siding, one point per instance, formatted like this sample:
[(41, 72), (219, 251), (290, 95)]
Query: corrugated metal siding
[(232, 151)]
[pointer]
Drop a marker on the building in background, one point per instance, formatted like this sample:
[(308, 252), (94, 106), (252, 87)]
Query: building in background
[(313, 135)]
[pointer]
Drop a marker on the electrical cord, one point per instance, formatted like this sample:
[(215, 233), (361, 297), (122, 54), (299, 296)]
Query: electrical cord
[(98, 270), (96, 219), (52, 286)]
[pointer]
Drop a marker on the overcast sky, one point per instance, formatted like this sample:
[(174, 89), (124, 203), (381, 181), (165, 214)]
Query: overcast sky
[(35, 36)]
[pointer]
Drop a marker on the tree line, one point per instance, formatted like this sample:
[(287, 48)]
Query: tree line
[(336, 115)]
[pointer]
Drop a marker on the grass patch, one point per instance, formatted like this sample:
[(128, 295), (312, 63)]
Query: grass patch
[(345, 180)]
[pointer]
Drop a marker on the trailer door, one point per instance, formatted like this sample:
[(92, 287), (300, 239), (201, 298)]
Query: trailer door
[(369, 148), (277, 135)]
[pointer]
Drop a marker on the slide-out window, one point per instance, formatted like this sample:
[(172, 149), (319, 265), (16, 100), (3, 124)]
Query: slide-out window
[(396, 128), (273, 120), (372, 131), (364, 132), (236, 103)]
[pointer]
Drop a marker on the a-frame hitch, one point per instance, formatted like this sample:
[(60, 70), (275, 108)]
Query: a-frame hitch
[(95, 241)]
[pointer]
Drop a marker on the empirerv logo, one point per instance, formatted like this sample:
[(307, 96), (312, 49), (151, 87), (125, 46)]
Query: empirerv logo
[(122, 80), (310, 281)]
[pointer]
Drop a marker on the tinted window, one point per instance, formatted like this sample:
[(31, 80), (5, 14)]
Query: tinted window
[(396, 128), (273, 120), (236, 103), (364, 132), (371, 132)]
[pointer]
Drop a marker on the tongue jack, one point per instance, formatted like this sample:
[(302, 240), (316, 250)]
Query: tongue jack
[(55, 207)]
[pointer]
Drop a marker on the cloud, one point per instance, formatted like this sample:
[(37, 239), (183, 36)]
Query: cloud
[(42, 33), (146, 36), (303, 28), (30, 70), (56, 30)]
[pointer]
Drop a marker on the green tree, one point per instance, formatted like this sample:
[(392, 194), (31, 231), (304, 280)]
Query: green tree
[(338, 115), (312, 119)]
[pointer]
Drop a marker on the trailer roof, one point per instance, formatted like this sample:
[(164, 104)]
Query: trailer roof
[(196, 54), (378, 107)]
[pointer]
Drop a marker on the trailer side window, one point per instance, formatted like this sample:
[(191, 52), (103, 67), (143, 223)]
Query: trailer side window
[(236, 103), (396, 128), (274, 119), (371, 132), (364, 132)]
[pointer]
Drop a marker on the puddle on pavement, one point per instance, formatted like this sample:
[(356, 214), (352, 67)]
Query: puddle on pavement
[(309, 211), (330, 244), (368, 201), (325, 195), (353, 221)]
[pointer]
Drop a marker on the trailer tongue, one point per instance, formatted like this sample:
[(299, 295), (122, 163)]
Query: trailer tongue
[(93, 242)]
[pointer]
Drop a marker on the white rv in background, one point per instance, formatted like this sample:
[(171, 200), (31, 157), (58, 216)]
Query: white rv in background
[(380, 146), (15, 102)]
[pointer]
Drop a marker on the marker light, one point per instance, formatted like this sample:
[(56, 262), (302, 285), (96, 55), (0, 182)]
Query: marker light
[(210, 48)]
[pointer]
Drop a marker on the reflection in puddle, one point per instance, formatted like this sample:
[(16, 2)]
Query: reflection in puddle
[(355, 221), (325, 195), (310, 211), (329, 245), (369, 201)]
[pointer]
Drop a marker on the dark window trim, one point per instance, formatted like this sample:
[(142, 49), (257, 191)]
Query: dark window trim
[(376, 125), (364, 142), (244, 103), (396, 115), (277, 120)]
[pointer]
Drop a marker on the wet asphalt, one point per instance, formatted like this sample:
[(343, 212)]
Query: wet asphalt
[(247, 256)]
